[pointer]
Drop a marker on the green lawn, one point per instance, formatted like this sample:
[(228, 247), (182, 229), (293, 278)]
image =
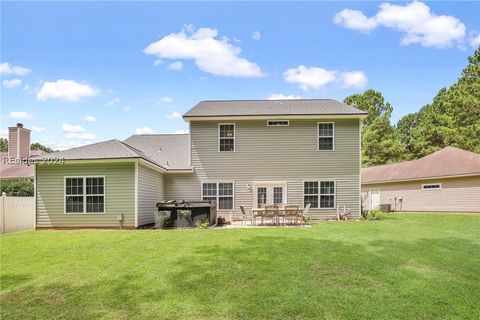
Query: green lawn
[(404, 266)]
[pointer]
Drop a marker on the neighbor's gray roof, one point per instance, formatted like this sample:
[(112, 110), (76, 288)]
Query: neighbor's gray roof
[(449, 161), (111, 149), (18, 170), (171, 151), (226, 108)]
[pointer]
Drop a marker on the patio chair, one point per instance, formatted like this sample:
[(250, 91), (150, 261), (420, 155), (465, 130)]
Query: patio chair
[(304, 215), (271, 212), (245, 217), (291, 212)]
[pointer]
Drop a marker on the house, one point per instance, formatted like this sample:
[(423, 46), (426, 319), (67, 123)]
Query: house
[(447, 180), (248, 153), (14, 162)]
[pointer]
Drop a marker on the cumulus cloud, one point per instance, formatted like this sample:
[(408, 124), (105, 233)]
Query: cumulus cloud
[(418, 24), (315, 77), (279, 96), (20, 115), (10, 84), (174, 115), (144, 130), (77, 132), (56, 145), (38, 129), (177, 66), (113, 102), (166, 99), (475, 41), (90, 118), (256, 35), (212, 55), (66, 90), (7, 69)]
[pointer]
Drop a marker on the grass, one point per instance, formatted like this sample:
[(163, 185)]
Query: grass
[(403, 266)]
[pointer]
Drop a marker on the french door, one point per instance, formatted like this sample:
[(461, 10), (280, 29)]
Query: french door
[(269, 193)]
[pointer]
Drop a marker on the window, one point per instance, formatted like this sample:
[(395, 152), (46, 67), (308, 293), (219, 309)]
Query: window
[(277, 123), (320, 194), (326, 136), (84, 195), (277, 195), (432, 186), (221, 192), (226, 137)]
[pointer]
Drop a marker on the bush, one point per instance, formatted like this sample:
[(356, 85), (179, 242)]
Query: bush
[(372, 214), (17, 188), (201, 224)]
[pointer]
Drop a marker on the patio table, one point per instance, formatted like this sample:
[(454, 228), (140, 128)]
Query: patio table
[(262, 212)]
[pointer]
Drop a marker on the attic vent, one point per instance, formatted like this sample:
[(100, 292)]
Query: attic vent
[(278, 123)]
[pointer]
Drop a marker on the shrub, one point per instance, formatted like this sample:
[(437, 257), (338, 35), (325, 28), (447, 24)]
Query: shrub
[(201, 224), (372, 214), (17, 188)]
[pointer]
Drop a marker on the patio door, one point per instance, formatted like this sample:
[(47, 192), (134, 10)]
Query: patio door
[(269, 193)]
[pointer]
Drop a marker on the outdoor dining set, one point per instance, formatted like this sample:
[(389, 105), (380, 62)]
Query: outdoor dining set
[(277, 215)]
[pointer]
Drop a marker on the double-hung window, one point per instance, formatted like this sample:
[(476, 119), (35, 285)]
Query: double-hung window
[(84, 194), (320, 194), (221, 192), (226, 137), (326, 136)]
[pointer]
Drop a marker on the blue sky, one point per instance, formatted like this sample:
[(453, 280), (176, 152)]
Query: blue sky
[(85, 72)]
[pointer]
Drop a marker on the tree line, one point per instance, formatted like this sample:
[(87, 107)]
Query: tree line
[(451, 119)]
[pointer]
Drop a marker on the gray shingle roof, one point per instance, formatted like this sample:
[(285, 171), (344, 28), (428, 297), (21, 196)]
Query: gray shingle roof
[(111, 149), (271, 107), (171, 151)]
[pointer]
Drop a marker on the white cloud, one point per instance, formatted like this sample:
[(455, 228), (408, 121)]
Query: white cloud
[(55, 145), (127, 109), (309, 77), (177, 66), (90, 118), (415, 20), (6, 68), (68, 128), (113, 102), (353, 79), (216, 56), (166, 99), (11, 83), (174, 115), (38, 129), (315, 78), (256, 35), (26, 87), (181, 131), (157, 62), (4, 133), (475, 41), (279, 96), (20, 115), (144, 130), (66, 90), (82, 136)]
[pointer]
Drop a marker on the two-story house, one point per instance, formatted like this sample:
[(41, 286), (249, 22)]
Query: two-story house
[(238, 153)]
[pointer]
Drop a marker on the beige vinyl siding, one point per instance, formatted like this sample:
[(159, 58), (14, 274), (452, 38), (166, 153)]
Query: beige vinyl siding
[(119, 195), (461, 194), (150, 192), (266, 153)]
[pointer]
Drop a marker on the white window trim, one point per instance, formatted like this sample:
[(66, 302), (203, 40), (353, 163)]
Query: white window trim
[(234, 136), (332, 136), (269, 185), (84, 195), (319, 194), (431, 189), (217, 196), (273, 125)]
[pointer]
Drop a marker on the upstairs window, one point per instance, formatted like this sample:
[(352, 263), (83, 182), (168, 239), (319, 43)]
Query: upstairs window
[(326, 136), (226, 137), (277, 123)]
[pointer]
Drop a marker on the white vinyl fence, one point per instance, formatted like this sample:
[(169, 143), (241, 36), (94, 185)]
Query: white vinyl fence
[(16, 213)]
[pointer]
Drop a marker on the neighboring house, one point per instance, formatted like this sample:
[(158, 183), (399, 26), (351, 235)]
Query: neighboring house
[(13, 162), (248, 153), (447, 180)]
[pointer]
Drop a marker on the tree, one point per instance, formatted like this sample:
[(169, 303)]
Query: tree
[(3, 145), (380, 141), (452, 119), (38, 146), (17, 188)]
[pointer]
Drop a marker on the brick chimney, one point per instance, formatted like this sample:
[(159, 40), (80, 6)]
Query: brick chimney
[(18, 142)]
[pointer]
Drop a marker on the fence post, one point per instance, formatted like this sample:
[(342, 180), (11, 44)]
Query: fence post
[(2, 213)]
